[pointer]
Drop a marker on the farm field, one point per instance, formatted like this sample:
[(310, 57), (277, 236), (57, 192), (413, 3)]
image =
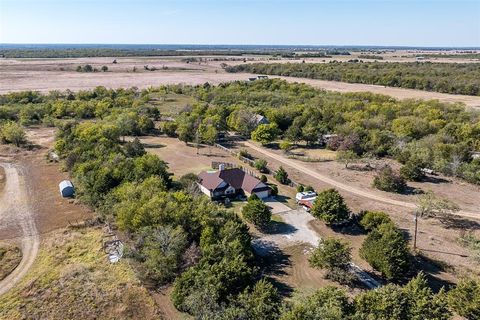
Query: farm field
[(45, 75)]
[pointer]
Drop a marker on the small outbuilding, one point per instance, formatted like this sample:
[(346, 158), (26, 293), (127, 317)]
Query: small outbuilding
[(66, 188)]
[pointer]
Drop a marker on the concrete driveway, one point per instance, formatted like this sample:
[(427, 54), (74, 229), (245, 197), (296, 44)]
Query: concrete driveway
[(276, 206)]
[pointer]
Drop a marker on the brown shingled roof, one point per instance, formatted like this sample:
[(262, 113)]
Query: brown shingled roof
[(236, 177)]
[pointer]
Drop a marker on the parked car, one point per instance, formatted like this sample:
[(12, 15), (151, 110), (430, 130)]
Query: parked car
[(305, 195)]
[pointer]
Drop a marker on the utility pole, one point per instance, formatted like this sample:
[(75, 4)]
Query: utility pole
[(416, 229)]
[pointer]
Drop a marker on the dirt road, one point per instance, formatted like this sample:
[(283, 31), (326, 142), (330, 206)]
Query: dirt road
[(343, 186), (15, 210)]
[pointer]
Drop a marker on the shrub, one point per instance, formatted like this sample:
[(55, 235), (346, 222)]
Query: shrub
[(170, 128), (371, 220), (388, 180), (331, 253), (412, 171), (257, 212), (244, 153), (308, 188), (281, 176), (274, 188), (330, 207), (11, 132), (261, 165), (387, 251), (300, 188), (286, 146), (464, 299), (263, 178), (265, 133)]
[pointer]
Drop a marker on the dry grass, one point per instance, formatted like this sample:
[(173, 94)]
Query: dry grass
[(170, 104), (10, 257), (72, 279), (2, 179)]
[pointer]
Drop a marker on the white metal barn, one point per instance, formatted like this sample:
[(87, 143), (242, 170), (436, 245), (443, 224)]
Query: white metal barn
[(66, 188)]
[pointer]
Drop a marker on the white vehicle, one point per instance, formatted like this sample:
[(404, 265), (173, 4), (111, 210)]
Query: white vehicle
[(305, 195)]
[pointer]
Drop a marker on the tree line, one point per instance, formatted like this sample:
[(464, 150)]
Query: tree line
[(456, 78)]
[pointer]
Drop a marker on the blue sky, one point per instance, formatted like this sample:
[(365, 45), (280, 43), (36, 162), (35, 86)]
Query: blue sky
[(309, 22)]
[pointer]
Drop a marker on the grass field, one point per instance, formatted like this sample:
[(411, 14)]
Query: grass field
[(72, 279), (10, 257)]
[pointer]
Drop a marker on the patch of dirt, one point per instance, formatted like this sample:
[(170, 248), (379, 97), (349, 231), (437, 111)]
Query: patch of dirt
[(2, 179), (10, 257)]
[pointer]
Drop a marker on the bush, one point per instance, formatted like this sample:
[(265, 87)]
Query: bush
[(170, 128), (464, 299), (286, 146), (244, 153), (263, 178), (387, 251), (265, 133), (281, 176), (257, 212), (388, 180), (330, 207), (274, 188), (331, 254), (308, 188), (11, 132), (300, 188), (412, 171), (261, 165), (371, 220)]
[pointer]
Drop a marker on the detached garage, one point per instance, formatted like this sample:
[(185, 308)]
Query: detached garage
[(66, 188)]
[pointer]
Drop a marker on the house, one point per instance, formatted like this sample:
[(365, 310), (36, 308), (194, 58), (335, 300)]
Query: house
[(230, 183), (66, 188)]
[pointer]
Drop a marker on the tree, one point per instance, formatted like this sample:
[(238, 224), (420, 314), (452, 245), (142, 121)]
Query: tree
[(326, 303), (386, 250), (387, 303), (464, 299), (300, 188), (257, 212), (331, 253), (346, 156), (274, 189), (134, 148), (261, 165), (281, 175), (388, 180), (330, 207), (412, 171), (11, 132), (335, 256), (371, 220), (263, 178), (87, 68), (170, 128), (104, 68), (265, 133)]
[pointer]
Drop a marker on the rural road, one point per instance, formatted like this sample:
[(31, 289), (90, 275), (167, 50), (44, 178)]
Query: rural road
[(345, 187), (15, 209)]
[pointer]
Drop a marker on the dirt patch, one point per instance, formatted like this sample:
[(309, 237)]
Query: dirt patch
[(72, 279), (10, 257), (2, 179)]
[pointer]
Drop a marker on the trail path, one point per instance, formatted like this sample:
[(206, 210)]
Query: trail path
[(345, 187), (15, 209)]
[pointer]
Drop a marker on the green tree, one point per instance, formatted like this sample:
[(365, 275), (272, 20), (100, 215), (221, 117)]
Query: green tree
[(388, 180), (330, 254), (412, 171), (265, 133), (134, 148), (371, 220), (281, 175), (330, 207), (327, 303), (104, 68), (170, 128), (257, 212), (286, 146), (347, 157), (464, 299), (386, 250), (11, 132)]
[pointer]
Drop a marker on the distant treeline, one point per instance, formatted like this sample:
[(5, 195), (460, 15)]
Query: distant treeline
[(370, 56), (471, 55), (149, 52), (456, 78)]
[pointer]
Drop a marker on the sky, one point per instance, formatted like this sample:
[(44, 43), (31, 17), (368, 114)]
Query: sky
[(444, 23)]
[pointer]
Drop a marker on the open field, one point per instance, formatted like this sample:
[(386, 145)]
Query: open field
[(59, 74), (72, 279)]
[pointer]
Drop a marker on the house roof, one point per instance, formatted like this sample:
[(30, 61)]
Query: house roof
[(237, 178)]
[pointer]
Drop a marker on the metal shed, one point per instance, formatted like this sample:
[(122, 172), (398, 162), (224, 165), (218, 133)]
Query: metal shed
[(66, 188)]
